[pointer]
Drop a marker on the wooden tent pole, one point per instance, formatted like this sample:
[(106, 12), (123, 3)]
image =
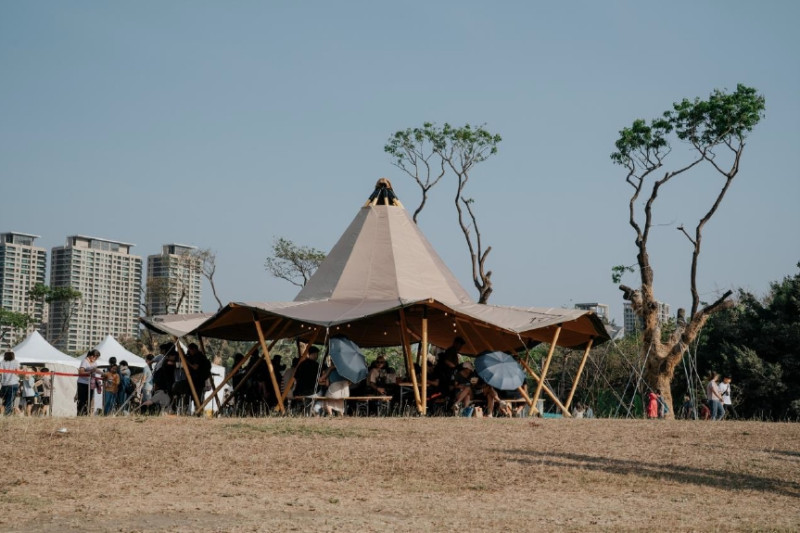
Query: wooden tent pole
[(229, 377), (186, 371), (578, 375), (234, 370), (545, 388), (424, 362), (267, 359), (546, 365), (213, 394), (409, 361), (247, 375), (303, 357), (528, 400)]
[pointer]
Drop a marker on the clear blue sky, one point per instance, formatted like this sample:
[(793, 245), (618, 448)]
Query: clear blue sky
[(223, 125)]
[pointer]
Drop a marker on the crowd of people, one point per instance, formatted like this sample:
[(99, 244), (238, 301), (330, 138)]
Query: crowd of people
[(24, 394)]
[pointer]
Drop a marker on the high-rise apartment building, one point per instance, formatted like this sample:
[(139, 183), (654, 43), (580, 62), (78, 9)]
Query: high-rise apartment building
[(633, 323), (22, 266), (173, 281), (109, 279)]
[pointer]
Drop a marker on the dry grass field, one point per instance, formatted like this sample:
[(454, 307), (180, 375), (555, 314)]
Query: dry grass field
[(397, 474)]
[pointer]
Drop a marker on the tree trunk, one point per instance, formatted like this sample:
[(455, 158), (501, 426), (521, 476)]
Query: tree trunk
[(658, 374)]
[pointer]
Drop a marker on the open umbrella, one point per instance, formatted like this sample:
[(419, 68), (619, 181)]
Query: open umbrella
[(499, 370), (349, 361)]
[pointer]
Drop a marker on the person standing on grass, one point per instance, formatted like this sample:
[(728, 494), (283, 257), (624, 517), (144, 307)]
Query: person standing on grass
[(9, 381), (714, 398), (147, 379), (651, 405), (725, 391), (45, 387), (111, 383), (86, 370)]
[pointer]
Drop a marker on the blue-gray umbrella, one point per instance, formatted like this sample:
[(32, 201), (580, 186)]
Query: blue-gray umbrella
[(350, 362), (499, 370)]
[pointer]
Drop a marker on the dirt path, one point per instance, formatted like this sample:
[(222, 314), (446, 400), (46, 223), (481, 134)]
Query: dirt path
[(395, 474)]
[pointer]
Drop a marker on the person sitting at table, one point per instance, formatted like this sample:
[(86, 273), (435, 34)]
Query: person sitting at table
[(338, 389), (305, 375), (379, 380), (463, 380)]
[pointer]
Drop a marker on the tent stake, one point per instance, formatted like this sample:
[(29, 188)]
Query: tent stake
[(578, 375)]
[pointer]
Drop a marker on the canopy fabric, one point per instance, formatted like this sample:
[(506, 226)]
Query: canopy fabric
[(383, 271), (376, 324), (36, 350), (175, 325), (383, 256), (109, 347)]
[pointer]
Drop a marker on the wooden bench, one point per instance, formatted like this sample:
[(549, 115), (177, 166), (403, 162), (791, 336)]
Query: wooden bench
[(362, 402)]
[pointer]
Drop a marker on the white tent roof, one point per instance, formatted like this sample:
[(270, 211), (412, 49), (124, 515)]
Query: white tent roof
[(111, 348), (35, 349)]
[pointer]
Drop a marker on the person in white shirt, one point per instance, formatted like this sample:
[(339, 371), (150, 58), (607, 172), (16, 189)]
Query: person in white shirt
[(725, 392), (86, 369)]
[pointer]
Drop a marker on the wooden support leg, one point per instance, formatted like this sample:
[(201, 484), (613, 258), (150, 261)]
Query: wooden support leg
[(410, 363), (546, 365), (186, 371), (268, 360), (424, 363), (578, 374), (545, 388)]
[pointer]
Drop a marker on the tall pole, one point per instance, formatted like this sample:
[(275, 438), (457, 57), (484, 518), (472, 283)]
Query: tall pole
[(424, 362), (267, 360), (578, 375), (546, 365), (409, 361)]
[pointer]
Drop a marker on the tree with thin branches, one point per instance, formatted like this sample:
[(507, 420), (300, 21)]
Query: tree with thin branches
[(714, 130)]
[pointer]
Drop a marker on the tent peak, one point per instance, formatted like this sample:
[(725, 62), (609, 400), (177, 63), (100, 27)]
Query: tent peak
[(383, 194)]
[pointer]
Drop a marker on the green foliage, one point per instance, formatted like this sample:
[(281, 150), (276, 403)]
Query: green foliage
[(756, 342), (48, 295), (723, 118), (618, 271), (13, 321), (293, 263)]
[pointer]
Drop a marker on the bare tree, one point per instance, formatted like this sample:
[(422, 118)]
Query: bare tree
[(457, 149), (461, 149), (412, 151), (721, 122), (293, 263), (208, 267)]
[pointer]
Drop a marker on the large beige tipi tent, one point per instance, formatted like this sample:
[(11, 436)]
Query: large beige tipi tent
[(384, 285)]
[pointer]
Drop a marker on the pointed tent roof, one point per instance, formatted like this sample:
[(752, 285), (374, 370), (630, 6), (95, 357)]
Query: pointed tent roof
[(110, 347), (35, 349), (382, 264), (383, 256)]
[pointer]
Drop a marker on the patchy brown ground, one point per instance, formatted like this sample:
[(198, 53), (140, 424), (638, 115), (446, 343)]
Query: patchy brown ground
[(397, 474)]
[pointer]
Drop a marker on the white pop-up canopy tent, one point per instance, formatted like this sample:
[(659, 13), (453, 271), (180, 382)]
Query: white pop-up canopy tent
[(110, 347), (36, 351)]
